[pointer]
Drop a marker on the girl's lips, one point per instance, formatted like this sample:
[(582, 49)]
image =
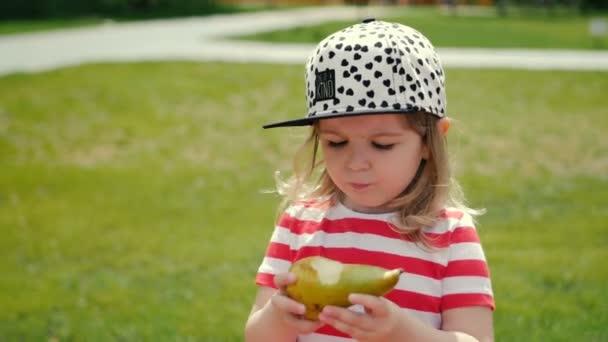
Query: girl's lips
[(359, 186)]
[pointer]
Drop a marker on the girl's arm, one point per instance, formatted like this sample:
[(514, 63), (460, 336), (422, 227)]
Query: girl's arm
[(470, 324), (474, 323), (263, 324)]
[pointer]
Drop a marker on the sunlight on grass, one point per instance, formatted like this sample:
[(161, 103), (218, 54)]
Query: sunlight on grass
[(131, 205), (539, 124)]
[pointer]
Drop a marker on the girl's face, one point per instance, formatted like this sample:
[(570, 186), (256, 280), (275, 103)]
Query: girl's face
[(371, 158)]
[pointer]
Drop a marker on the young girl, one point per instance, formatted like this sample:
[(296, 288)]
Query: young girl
[(379, 193)]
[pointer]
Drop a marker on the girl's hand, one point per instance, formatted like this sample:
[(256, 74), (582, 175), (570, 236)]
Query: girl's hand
[(379, 322), (288, 309)]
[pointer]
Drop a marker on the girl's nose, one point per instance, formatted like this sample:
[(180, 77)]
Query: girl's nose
[(358, 161)]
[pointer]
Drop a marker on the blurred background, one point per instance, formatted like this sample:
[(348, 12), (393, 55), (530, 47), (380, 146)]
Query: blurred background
[(137, 8), (134, 170)]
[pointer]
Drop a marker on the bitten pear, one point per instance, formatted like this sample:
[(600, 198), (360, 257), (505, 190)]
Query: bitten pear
[(321, 281)]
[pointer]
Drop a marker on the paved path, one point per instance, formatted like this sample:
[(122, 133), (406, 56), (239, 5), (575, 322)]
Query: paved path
[(202, 39)]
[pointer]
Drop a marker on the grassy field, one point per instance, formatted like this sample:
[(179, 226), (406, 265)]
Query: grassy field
[(22, 26), (131, 205), (470, 29)]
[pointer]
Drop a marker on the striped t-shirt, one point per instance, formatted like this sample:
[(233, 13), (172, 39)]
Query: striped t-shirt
[(452, 274)]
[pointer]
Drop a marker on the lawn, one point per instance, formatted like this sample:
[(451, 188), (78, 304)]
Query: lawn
[(23, 26), (485, 28), (131, 199)]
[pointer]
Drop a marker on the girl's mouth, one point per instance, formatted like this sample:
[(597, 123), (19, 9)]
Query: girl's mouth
[(359, 186)]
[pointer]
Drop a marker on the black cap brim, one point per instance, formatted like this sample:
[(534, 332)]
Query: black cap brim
[(292, 123), (310, 120)]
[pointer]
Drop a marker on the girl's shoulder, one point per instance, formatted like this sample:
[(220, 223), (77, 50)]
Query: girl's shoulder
[(315, 203), (454, 226), (310, 208), (451, 219)]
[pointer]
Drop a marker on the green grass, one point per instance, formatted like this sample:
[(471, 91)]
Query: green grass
[(24, 26), (485, 29), (130, 204)]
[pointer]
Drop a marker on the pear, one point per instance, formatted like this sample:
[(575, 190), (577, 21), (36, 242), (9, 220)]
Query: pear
[(321, 281)]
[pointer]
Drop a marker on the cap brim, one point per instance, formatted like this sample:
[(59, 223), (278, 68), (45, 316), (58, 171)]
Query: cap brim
[(292, 123), (310, 120)]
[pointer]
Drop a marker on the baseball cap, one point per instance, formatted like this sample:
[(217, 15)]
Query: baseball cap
[(373, 67)]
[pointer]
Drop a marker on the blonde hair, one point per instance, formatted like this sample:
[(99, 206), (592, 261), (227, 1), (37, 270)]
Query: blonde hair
[(421, 203)]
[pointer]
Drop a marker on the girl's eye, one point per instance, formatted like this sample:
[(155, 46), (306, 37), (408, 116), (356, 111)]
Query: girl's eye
[(383, 146), (336, 143)]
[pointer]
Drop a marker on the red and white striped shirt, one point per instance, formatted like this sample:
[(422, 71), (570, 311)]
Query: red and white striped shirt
[(452, 274)]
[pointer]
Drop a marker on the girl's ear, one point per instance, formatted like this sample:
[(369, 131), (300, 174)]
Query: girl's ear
[(443, 125)]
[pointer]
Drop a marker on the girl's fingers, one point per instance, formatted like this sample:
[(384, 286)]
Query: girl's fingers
[(343, 327), (346, 319), (373, 305), (286, 304), (347, 322), (356, 323), (302, 325), (291, 312)]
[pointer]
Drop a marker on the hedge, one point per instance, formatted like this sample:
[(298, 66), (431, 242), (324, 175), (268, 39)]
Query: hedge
[(37, 9)]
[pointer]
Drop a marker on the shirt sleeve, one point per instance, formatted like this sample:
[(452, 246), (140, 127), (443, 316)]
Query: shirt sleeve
[(278, 257), (466, 280)]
